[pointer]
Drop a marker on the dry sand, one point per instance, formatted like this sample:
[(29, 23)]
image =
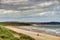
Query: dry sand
[(35, 35)]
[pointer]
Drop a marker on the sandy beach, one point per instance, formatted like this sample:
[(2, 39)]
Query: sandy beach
[(42, 36)]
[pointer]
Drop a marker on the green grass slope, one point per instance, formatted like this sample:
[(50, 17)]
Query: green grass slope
[(6, 34)]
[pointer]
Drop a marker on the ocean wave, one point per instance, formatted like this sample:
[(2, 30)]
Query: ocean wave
[(48, 30)]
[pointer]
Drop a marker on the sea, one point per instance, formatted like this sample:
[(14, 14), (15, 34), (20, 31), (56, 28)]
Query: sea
[(50, 29)]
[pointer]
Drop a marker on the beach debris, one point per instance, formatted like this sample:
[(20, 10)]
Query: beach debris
[(37, 34)]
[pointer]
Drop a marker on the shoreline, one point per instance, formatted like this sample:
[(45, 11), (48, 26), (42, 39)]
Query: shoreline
[(42, 36), (41, 31)]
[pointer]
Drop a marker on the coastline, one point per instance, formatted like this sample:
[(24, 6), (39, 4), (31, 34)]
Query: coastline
[(42, 36), (41, 31)]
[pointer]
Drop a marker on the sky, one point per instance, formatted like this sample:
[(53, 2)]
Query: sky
[(30, 10)]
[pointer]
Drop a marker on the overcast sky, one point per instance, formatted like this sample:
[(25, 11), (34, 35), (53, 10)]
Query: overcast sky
[(30, 10)]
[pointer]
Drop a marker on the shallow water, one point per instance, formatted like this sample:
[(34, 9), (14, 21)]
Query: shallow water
[(47, 28)]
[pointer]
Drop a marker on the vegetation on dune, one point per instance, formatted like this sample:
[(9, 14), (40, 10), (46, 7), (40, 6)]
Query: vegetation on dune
[(6, 34), (15, 24)]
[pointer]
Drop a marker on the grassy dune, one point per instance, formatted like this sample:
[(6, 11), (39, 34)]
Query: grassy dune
[(6, 34)]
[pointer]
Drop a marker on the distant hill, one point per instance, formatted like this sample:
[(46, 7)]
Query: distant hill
[(50, 23), (27, 23)]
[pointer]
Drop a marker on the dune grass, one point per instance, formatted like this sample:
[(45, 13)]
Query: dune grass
[(6, 34)]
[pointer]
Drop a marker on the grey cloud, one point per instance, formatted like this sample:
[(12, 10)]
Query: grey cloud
[(29, 5), (40, 0), (30, 10), (20, 6)]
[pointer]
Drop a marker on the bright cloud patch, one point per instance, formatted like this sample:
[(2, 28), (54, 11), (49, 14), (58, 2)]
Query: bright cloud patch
[(12, 1), (2, 11), (47, 14)]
